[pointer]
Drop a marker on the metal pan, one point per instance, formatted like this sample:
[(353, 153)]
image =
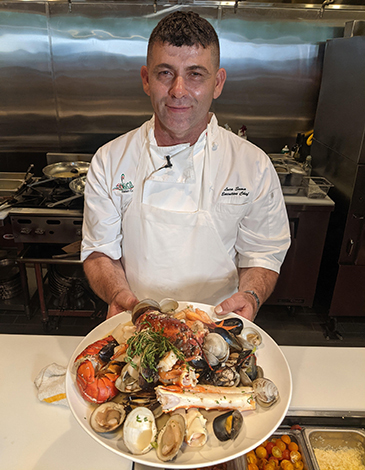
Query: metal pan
[(77, 186), (65, 172)]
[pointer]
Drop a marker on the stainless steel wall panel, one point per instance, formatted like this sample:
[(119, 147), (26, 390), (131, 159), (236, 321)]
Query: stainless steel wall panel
[(27, 104), (70, 79)]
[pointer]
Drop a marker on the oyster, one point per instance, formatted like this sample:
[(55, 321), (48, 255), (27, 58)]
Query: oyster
[(228, 425), (196, 432), (170, 438), (265, 391), (107, 417), (139, 430)]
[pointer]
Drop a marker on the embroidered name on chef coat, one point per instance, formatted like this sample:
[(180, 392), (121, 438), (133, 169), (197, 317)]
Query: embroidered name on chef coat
[(239, 191)]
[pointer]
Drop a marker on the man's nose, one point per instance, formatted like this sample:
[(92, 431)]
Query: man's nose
[(178, 89)]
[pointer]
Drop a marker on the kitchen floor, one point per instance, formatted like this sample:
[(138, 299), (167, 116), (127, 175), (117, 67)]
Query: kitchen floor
[(296, 326)]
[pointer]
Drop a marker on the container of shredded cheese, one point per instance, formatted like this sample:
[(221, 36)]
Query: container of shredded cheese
[(336, 448)]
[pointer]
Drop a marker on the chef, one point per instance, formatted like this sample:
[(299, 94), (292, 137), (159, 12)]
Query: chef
[(181, 207)]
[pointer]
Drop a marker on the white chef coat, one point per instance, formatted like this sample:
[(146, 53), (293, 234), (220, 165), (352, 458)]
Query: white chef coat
[(223, 182)]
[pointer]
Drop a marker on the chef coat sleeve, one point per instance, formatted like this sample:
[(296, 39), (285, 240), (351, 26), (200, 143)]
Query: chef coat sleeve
[(102, 213), (263, 234)]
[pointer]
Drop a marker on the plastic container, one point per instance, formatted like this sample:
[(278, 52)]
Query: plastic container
[(335, 443), (317, 187)]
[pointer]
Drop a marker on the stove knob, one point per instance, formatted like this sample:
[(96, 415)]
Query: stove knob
[(39, 231), (25, 231)]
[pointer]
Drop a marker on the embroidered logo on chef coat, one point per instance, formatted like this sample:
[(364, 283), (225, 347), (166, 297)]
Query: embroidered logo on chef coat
[(125, 187), (235, 191)]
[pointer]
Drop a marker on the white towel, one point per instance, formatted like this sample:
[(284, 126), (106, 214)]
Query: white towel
[(50, 383)]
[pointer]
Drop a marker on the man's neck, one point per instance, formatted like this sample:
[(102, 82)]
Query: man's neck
[(166, 138)]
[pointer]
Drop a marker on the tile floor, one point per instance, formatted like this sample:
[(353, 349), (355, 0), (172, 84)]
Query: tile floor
[(297, 326)]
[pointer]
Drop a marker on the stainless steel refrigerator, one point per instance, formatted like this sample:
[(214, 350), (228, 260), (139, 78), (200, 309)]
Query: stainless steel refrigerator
[(338, 153)]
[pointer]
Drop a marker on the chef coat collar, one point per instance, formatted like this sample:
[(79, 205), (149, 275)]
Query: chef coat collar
[(181, 156)]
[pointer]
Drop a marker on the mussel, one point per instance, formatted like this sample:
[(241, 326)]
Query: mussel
[(107, 417), (265, 391), (230, 338), (228, 425), (171, 437), (232, 324)]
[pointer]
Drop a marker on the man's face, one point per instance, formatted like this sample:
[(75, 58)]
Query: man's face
[(181, 82)]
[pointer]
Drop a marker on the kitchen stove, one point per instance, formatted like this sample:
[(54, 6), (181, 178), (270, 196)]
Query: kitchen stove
[(47, 229)]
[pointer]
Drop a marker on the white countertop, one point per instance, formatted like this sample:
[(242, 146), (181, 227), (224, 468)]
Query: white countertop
[(40, 436)]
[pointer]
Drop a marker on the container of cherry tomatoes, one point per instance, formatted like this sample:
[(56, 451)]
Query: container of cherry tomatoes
[(284, 450)]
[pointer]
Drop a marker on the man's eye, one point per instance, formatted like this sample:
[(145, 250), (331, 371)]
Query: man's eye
[(164, 73)]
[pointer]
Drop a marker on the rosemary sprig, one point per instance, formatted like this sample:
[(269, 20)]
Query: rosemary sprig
[(150, 346)]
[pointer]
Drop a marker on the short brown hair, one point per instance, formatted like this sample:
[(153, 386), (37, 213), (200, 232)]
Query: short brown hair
[(185, 28)]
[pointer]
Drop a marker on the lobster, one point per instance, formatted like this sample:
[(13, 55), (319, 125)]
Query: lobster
[(96, 374)]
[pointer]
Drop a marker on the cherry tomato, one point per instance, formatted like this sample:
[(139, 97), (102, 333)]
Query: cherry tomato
[(269, 447), (293, 446), (252, 466), (274, 459), (251, 457), (286, 439), (261, 463), (286, 454), (269, 466), (276, 452), (299, 465), (286, 465), (261, 452), (281, 444), (295, 456)]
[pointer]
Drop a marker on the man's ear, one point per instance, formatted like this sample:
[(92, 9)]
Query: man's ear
[(145, 81), (219, 82)]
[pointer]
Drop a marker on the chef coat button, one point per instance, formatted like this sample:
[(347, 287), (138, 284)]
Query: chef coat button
[(214, 146)]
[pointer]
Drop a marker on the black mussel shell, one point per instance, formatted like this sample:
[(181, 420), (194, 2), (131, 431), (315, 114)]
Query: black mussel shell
[(234, 325), (142, 307), (228, 425), (107, 351), (229, 337), (147, 378)]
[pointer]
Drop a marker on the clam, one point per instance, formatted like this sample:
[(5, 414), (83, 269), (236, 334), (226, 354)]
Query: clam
[(107, 417), (265, 391), (215, 348), (228, 425), (139, 430), (225, 377), (168, 305), (142, 307), (251, 336), (196, 432), (128, 381), (171, 437)]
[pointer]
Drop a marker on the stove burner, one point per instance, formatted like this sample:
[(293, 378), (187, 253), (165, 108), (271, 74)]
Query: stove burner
[(44, 193)]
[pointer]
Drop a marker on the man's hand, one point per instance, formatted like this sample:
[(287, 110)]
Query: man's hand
[(241, 303), (123, 300)]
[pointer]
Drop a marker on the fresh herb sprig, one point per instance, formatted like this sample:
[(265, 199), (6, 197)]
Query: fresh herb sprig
[(150, 346)]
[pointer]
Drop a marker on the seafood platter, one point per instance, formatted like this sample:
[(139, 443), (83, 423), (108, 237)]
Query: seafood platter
[(171, 385)]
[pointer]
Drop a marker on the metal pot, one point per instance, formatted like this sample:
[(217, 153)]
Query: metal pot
[(77, 186), (65, 172)]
